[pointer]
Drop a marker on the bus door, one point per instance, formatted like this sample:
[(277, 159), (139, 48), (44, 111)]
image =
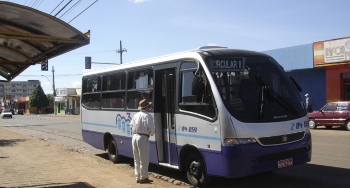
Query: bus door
[(164, 112)]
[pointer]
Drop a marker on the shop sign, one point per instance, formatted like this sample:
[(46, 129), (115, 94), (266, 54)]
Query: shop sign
[(330, 52), (60, 99)]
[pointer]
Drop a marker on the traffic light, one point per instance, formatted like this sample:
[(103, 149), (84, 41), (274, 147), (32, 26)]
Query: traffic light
[(45, 65), (87, 62)]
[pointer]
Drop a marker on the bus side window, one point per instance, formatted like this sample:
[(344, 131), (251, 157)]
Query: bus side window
[(140, 86), (91, 100), (91, 92), (113, 90)]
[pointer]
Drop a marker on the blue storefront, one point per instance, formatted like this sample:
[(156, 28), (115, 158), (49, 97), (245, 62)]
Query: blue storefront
[(322, 69), (297, 61)]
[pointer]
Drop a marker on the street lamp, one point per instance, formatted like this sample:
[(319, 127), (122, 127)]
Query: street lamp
[(53, 88)]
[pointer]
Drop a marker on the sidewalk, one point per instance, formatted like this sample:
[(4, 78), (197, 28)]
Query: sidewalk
[(29, 162)]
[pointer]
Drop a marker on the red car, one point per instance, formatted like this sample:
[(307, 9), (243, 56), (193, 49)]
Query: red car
[(332, 114)]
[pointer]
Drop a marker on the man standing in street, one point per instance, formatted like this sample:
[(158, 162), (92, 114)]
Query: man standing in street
[(142, 127), (309, 103)]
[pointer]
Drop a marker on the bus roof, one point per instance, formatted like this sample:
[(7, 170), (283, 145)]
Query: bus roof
[(195, 53)]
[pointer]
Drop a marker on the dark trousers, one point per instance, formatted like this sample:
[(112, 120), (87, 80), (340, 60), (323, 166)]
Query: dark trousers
[(309, 109)]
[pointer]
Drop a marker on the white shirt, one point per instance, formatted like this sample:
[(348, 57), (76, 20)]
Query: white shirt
[(142, 122)]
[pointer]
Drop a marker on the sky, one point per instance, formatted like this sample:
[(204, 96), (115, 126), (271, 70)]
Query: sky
[(150, 28)]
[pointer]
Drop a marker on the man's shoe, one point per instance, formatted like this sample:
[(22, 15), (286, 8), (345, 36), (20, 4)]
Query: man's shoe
[(137, 181), (145, 181)]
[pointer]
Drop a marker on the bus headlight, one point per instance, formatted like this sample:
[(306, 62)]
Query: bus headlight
[(236, 141)]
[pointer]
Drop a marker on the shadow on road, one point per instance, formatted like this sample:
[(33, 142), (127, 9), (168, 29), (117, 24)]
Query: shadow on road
[(65, 185), (323, 128), (306, 175), (10, 142), (155, 169)]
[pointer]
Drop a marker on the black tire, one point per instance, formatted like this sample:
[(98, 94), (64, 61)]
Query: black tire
[(347, 125), (329, 127), (113, 152), (312, 124), (196, 171)]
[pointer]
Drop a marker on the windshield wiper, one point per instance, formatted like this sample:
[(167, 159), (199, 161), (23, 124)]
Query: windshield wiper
[(261, 101), (272, 97)]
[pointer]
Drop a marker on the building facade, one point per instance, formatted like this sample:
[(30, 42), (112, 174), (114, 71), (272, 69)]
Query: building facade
[(322, 69), (14, 94), (67, 101)]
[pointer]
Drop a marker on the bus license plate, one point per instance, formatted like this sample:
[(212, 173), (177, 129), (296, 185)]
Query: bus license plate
[(285, 163)]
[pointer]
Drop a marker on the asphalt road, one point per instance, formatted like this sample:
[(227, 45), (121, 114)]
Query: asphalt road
[(330, 165)]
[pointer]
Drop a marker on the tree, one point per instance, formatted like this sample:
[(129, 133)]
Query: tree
[(50, 97), (38, 98)]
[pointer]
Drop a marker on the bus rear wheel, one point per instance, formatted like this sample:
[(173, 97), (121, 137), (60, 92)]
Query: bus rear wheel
[(195, 170), (113, 152)]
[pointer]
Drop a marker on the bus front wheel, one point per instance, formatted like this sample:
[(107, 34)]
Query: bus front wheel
[(113, 151), (195, 170)]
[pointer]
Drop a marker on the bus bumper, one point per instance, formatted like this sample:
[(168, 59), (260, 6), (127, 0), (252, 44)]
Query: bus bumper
[(243, 160)]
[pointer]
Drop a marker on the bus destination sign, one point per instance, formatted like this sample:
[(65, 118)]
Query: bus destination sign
[(227, 64)]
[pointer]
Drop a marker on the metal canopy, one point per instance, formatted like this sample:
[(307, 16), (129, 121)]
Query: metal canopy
[(29, 37)]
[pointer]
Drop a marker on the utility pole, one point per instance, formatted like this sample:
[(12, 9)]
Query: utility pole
[(121, 50), (54, 90)]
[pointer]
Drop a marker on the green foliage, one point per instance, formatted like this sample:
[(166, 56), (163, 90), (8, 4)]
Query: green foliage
[(50, 97), (38, 98)]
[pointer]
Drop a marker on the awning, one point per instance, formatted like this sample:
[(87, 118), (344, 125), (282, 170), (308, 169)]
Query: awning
[(29, 37)]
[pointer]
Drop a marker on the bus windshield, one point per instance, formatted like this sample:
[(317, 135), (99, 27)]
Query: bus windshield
[(255, 89)]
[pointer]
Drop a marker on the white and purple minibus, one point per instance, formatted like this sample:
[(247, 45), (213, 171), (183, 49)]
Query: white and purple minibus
[(217, 112)]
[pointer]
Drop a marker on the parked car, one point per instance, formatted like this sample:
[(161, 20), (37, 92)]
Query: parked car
[(20, 111), (48, 110), (6, 113), (331, 114), (13, 111)]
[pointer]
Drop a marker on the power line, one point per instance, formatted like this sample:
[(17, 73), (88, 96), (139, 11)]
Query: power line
[(92, 52), (30, 3), (37, 7), (71, 8), (63, 8), (33, 3), (57, 6), (36, 3), (83, 11)]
